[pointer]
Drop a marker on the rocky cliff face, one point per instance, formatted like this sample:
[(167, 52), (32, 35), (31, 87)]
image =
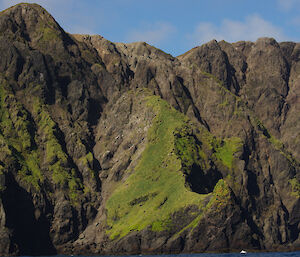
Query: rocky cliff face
[(110, 148)]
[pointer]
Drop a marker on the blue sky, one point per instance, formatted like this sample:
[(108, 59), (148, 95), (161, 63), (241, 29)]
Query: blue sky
[(176, 26)]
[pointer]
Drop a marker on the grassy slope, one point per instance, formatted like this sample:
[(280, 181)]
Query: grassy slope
[(157, 188)]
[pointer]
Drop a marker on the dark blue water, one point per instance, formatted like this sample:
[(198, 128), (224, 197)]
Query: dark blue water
[(284, 254), (249, 254), (287, 254)]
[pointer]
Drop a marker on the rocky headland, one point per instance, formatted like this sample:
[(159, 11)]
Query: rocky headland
[(112, 148)]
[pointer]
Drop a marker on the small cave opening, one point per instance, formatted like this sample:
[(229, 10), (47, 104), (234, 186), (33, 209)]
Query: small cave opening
[(202, 182)]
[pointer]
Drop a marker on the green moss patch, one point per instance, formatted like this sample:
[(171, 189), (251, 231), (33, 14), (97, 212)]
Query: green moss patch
[(277, 144), (226, 150), (295, 184), (187, 147), (15, 123), (48, 32), (55, 157), (88, 159), (17, 137), (221, 195)]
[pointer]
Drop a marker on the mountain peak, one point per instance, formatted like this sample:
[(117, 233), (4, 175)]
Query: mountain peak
[(25, 11), (27, 18), (31, 24)]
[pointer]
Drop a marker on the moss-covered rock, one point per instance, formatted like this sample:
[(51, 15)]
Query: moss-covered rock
[(112, 148)]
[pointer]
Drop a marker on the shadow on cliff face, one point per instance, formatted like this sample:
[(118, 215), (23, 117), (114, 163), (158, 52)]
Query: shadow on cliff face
[(200, 182), (30, 227), (294, 221)]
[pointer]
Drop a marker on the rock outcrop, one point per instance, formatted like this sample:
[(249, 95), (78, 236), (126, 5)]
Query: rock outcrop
[(112, 148)]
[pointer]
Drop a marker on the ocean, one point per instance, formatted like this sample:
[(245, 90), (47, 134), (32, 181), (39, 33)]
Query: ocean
[(269, 254), (261, 254)]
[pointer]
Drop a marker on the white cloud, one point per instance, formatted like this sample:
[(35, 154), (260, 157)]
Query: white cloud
[(251, 28), (152, 33), (287, 5)]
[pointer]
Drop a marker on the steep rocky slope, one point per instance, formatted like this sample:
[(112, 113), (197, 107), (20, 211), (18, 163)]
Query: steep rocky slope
[(110, 148)]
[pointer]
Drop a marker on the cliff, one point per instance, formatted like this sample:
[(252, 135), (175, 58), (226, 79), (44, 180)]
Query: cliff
[(112, 148)]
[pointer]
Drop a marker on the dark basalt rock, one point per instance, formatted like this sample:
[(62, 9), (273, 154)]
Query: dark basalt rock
[(76, 124)]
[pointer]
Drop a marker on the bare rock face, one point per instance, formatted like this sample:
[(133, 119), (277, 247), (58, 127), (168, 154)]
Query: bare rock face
[(112, 148)]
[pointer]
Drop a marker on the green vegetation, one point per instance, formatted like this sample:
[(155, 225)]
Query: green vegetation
[(225, 103), (74, 184), (278, 145), (56, 158), (157, 186), (16, 138), (48, 30), (223, 88), (228, 98), (227, 149), (49, 34), (295, 184), (87, 159), (31, 171), (221, 195), (188, 149), (161, 225), (219, 198), (15, 124), (5, 150)]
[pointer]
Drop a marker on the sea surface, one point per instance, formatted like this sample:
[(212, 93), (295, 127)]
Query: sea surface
[(249, 254)]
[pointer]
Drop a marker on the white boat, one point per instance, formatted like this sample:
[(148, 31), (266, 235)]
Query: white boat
[(243, 252)]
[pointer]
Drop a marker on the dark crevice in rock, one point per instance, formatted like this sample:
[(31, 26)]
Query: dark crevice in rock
[(252, 186), (293, 222), (63, 82), (95, 110), (49, 95), (230, 80), (27, 230), (195, 109), (246, 216), (18, 65)]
